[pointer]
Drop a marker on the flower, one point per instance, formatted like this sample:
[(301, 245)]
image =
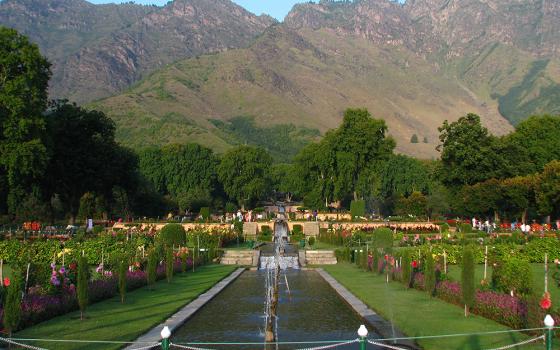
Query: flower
[(6, 281), (53, 266), (545, 302), (414, 264), (73, 266), (62, 270)]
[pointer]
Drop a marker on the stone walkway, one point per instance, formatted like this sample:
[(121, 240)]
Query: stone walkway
[(179, 318), (381, 326)]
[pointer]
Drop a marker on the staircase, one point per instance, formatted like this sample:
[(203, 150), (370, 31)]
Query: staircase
[(239, 257), (320, 257)]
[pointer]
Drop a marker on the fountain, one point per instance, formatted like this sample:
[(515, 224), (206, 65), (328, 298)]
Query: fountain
[(273, 264)]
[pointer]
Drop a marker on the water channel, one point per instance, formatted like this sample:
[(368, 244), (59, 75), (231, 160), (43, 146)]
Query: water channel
[(311, 311)]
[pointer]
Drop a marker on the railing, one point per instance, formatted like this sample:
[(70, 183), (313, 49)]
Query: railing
[(387, 343)]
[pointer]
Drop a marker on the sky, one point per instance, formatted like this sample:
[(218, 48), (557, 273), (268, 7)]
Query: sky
[(276, 8)]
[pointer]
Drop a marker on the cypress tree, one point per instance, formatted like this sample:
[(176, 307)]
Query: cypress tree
[(122, 279), (406, 269), (184, 260), (169, 264), (467, 279), (151, 268), (82, 287), (12, 306), (429, 275)]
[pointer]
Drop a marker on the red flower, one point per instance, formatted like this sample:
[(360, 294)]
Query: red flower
[(545, 302), (414, 264), (6, 281), (72, 266)]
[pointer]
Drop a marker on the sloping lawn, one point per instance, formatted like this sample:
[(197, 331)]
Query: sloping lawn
[(143, 309), (416, 314)]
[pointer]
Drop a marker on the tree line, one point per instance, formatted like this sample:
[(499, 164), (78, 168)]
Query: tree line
[(61, 161)]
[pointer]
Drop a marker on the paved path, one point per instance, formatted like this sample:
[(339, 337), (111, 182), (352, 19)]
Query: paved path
[(179, 318), (381, 326)]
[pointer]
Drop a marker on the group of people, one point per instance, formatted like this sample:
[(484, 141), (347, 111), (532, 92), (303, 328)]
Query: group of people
[(486, 226)]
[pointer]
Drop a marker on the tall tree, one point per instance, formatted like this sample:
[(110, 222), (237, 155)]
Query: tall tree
[(548, 189), (467, 154), (539, 137), (245, 174), (24, 77), (85, 156), (467, 279)]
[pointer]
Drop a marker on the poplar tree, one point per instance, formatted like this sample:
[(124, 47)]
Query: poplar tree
[(467, 279), (82, 288), (122, 279)]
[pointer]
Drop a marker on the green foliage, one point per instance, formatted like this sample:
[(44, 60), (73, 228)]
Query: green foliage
[(548, 189), (24, 77), (403, 175), (415, 204), (467, 278), (12, 306), (383, 238), (311, 241), (151, 268), (123, 268), (173, 234), (358, 208), (245, 174), (283, 141), (230, 207), (513, 274), (82, 285), (430, 274), (169, 259), (205, 213), (406, 269)]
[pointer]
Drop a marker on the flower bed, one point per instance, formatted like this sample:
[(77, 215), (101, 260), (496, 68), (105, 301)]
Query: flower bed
[(38, 307)]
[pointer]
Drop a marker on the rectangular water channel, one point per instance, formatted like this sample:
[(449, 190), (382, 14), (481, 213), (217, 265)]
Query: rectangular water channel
[(311, 311)]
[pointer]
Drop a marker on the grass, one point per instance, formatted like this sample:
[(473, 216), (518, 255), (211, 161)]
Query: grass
[(143, 309), (416, 314), (537, 274)]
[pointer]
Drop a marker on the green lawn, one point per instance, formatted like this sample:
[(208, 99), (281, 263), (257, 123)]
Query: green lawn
[(538, 278), (113, 321), (416, 314)]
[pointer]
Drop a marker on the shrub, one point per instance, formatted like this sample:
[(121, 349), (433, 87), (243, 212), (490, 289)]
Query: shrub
[(297, 229), (173, 234), (512, 274), (429, 275), (467, 279), (205, 213), (358, 208), (12, 306), (406, 268), (311, 241), (444, 227), (151, 268), (169, 264), (123, 267), (383, 238), (82, 287), (230, 207), (465, 228)]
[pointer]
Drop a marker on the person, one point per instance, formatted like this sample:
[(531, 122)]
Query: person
[(474, 223)]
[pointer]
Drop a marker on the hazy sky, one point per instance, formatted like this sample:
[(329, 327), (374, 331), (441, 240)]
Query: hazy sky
[(275, 8)]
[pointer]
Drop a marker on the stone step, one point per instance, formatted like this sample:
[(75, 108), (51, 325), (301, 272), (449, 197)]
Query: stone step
[(226, 261)]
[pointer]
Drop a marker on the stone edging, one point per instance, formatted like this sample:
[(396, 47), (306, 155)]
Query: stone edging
[(383, 327), (181, 316)]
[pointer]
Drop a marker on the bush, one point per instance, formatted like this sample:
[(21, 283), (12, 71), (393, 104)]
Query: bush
[(205, 213), (358, 208), (12, 306), (383, 238), (406, 268), (169, 264), (230, 207), (444, 227), (467, 279), (297, 229), (123, 267), (82, 287), (513, 274), (173, 234), (311, 241), (429, 275), (465, 228), (151, 268)]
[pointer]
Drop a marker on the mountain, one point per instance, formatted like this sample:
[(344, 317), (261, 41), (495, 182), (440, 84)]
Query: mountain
[(210, 72), (98, 50)]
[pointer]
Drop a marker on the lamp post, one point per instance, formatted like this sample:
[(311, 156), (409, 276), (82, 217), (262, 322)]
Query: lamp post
[(165, 334), (362, 333), (549, 323)]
